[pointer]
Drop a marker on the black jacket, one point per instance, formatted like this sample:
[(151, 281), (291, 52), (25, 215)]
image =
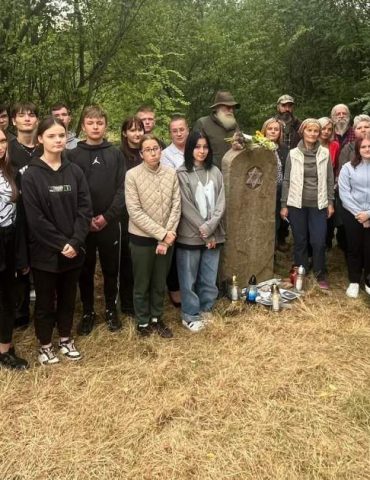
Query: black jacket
[(19, 155), (58, 211), (103, 166)]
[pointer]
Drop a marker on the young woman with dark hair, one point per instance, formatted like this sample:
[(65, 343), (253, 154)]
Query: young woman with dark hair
[(9, 259), (354, 188), (58, 210), (132, 131), (200, 232)]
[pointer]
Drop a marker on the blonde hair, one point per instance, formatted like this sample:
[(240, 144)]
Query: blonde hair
[(308, 121), (268, 122)]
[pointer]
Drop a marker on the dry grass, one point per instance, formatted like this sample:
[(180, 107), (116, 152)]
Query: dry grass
[(255, 396)]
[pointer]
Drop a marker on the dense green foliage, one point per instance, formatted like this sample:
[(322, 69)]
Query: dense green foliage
[(174, 54)]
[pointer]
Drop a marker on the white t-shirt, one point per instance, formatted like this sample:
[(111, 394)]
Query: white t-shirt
[(7, 208), (172, 157)]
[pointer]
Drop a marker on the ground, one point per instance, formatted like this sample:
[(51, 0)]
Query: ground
[(256, 395)]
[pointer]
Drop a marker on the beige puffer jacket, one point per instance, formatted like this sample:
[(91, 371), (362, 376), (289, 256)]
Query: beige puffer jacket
[(153, 201)]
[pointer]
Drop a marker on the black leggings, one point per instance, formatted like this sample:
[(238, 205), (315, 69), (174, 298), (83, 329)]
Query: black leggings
[(7, 283), (55, 302)]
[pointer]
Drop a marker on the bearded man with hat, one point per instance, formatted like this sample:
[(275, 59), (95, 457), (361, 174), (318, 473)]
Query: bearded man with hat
[(285, 108), (220, 124)]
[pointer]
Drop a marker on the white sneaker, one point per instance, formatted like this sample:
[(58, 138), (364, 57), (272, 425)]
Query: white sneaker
[(47, 356), (69, 350), (353, 289), (193, 326), (367, 289)]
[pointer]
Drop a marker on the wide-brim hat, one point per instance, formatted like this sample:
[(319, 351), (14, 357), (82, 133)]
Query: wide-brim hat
[(224, 97)]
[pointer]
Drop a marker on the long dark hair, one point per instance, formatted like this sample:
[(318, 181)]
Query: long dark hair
[(128, 123), (6, 168), (190, 144), (357, 158)]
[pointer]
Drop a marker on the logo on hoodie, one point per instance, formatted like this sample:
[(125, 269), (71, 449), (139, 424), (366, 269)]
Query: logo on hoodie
[(95, 161), (60, 188)]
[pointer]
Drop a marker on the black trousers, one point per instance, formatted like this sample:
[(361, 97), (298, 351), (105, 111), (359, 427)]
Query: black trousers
[(22, 289), (358, 247), (172, 277), (7, 284), (126, 279), (55, 302), (108, 243)]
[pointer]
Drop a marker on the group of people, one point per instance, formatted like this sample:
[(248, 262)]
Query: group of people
[(154, 214)]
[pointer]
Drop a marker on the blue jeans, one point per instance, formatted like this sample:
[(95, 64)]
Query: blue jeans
[(309, 223), (197, 270)]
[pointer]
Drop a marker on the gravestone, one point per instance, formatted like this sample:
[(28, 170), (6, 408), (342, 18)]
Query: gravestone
[(250, 188)]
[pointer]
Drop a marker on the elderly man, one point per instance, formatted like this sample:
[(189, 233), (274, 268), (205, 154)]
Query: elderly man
[(220, 124), (341, 117), (285, 108), (173, 155)]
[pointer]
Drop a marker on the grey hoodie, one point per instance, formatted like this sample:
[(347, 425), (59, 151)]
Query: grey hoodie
[(191, 220)]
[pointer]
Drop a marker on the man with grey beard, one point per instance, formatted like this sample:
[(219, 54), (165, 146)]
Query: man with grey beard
[(220, 124), (341, 117), (285, 108)]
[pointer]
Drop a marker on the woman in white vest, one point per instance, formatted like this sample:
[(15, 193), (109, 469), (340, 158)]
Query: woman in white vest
[(307, 198)]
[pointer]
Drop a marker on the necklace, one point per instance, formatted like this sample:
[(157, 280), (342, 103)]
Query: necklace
[(28, 149)]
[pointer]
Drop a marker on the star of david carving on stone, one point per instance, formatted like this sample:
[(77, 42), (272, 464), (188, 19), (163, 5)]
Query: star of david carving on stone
[(254, 178)]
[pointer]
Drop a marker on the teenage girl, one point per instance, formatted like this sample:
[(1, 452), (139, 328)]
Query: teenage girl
[(58, 210), (9, 259)]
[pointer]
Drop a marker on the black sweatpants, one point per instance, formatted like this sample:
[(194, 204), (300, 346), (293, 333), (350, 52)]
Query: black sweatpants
[(108, 243), (22, 288), (7, 284), (126, 278), (55, 302), (358, 247)]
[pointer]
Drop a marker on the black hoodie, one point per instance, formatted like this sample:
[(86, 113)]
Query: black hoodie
[(103, 166), (58, 210)]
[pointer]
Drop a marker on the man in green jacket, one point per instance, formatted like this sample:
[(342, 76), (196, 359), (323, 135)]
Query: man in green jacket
[(220, 124)]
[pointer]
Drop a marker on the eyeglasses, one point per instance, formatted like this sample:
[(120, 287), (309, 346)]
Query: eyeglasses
[(178, 130), (150, 150)]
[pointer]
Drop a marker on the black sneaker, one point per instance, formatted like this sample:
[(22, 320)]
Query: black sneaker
[(113, 321), (86, 324), (10, 360), (144, 330), (161, 328)]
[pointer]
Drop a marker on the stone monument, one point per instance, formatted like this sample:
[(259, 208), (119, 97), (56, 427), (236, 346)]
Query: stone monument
[(250, 188)]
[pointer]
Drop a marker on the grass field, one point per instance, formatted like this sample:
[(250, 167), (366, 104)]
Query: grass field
[(256, 395)]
